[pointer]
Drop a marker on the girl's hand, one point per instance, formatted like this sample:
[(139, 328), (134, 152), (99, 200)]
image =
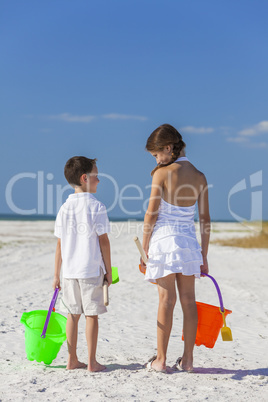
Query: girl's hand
[(142, 266), (204, 267), (56, 283), (108, 278)]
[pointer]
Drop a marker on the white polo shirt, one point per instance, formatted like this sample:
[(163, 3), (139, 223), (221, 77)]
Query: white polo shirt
[(80, 220)]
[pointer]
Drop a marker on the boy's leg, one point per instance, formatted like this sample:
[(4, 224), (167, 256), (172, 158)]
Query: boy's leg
[(92, 328), (186, 288), (72, 332), (167, 301)]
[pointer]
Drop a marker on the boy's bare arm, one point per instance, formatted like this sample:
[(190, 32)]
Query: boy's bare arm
[(106, 255), (58, 261)]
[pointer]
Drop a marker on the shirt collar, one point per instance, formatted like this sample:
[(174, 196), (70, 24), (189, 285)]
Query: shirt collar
[(81, 195)]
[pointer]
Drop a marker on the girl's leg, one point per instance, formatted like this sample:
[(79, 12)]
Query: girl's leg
[(71, 332), (167, 301), (186, 288), (92, 328)]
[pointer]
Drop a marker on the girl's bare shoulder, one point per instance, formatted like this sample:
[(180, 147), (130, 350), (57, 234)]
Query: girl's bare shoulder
[(187, 166), (196, 171), (160, 174), (201, 177)]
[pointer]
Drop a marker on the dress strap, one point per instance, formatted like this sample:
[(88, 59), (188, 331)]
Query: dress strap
[(182, 158)]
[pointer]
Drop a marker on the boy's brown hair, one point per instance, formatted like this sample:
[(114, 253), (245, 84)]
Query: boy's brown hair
[(77, 166)]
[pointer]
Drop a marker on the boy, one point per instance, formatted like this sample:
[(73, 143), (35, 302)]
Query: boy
[(83, 251)]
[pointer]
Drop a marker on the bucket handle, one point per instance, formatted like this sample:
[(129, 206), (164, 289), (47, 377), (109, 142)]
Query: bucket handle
[(218, 291), (52, 304)]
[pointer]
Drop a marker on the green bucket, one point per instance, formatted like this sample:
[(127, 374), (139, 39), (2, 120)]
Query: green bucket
[(43, 349)]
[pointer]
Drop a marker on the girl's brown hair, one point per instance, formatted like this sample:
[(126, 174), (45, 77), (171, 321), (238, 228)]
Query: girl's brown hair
[(163, 136)]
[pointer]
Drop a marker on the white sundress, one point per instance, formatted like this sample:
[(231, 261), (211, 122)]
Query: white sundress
[(173, 246)]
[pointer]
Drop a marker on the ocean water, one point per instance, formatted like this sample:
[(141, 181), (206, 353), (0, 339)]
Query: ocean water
[(17, 217)]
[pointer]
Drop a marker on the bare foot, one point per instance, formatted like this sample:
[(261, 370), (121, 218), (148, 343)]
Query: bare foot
[(184, 365), (95, 367), (158, 366), (75, 364)]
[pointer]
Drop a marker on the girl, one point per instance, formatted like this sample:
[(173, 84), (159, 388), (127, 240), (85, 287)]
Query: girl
[(169, 239)]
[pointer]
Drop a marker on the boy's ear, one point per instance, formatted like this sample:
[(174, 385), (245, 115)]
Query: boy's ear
[(83, 178)]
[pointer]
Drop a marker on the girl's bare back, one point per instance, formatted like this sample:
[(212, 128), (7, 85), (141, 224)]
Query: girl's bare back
[(182, 184)]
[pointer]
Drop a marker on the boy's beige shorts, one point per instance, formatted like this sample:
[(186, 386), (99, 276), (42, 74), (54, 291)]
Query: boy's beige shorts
[(83, 296)]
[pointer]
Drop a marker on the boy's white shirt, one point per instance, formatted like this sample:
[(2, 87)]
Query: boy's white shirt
[(80, 220)]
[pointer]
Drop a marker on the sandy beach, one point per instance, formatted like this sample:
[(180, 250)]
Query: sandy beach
[(234, 371)]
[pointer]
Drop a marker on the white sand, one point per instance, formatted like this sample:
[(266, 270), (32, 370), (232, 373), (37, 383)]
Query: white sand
[(234, 371)]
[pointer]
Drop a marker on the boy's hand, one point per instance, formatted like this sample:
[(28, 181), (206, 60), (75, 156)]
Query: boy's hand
[(56, 283), (108, 278)]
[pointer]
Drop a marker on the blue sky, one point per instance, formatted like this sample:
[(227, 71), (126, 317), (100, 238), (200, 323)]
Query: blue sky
[(95, 78)]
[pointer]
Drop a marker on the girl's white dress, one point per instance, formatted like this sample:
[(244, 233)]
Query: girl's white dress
[(173, 245)]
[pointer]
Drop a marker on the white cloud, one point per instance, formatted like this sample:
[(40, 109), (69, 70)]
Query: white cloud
[(248, 132), (197, 130), (245, 141), (117, 116), (263, 126), (226, 130), (237, 139), (259, 128), (70, 118), (244, 136), (67, 117), (259, 145)]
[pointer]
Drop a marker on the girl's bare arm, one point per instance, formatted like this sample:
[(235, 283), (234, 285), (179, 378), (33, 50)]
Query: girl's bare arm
[(153, 207), (204, 220)]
